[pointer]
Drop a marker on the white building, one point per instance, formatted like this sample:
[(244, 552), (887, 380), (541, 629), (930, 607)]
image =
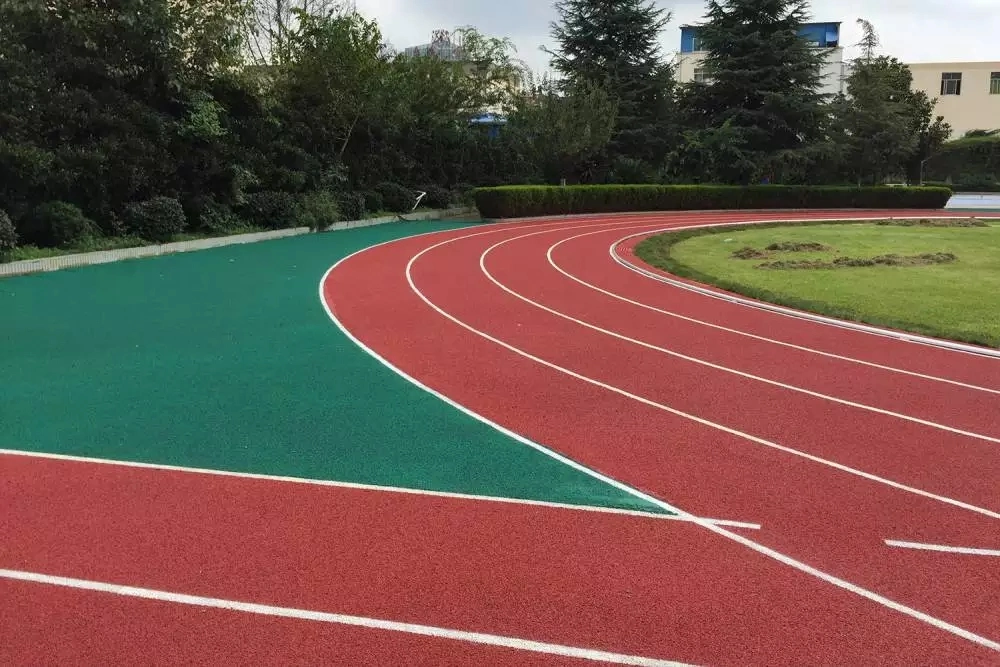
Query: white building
[(824, 36)]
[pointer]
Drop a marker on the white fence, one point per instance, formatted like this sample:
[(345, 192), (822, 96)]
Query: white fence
[(104, 256)]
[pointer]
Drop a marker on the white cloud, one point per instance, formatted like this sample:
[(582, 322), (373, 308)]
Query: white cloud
[(913, 31)]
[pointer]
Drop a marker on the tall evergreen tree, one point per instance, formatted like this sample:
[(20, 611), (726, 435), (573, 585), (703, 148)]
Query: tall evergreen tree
[(764, 92), (614, 45), (886, 125)]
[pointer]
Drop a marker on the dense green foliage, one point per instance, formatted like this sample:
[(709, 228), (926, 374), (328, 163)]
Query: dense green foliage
[(970, 163), (524, 201), (254, 114)]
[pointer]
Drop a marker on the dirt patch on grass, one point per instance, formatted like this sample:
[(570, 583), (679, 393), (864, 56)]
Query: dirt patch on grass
[(790, 246), (941, 222), (749, 253), (879, 260)]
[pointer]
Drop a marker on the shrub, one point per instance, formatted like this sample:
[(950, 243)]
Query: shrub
[(535, 200), (8, 235), (57, 224), (156, 219), (437, 197), (271, 209), (216, 218), (373, 201), (352, 205), (396, 198), (319, 210), (465, 194)]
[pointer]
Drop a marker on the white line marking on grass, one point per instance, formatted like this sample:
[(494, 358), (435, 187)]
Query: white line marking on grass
[(358, 486), (739, 332), (502, 641), (718, 530), (709, 364), (941, 547)]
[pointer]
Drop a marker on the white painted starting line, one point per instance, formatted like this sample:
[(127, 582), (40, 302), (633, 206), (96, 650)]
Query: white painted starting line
[(515, 643), (970, 551)]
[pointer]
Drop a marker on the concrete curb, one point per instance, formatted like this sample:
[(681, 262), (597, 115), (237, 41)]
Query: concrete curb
[(29, 266)]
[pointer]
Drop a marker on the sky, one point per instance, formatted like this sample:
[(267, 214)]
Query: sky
[(911, 30)]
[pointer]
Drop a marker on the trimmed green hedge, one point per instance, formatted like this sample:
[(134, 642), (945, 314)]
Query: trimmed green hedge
[(516, 201)]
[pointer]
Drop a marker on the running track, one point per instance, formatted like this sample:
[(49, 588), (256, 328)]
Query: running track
[(832, 441)]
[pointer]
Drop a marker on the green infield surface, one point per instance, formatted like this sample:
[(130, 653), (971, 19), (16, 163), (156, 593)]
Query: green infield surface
[(943, 281), (225, 359)]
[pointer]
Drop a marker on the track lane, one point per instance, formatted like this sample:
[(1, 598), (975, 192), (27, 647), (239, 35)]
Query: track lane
[(590, 424), (607, 582), (939, 461), (46, 625), (583, 258), (925, 359)]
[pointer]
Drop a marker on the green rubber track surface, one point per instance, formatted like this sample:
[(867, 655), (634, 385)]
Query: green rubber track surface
[(225, 359)]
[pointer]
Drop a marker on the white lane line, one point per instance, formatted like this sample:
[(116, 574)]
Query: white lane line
[(722, 427), (941, 547), (357, 486), (718, 530), (503, 641), (747, 334), (708, 364), (941, 344)]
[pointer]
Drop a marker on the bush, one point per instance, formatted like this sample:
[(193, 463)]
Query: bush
[(465, 194), (530, 200), (373, 201), (396, 198), (157, 219), (8, 235), (57, 224), (271, 209), (218, 218), (354, 204), (319, 210), (437, 197)]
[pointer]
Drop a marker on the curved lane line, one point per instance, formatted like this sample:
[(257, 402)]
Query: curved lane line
[(721, 427), (747, 334), (636, 493), (755, 546), (950, 346), (725, 369)]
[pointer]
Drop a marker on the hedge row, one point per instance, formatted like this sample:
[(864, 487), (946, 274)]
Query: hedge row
[(532, 200)]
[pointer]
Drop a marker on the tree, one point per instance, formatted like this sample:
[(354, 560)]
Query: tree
[(614, 45), (885, 124), (564, 131), (763, 96)]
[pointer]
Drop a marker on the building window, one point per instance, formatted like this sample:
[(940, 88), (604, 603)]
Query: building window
[(701, 75), (995, 83), (696, 44), (951, 83)]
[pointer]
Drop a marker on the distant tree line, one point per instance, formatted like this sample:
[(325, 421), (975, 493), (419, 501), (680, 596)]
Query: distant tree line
[(146, 119)]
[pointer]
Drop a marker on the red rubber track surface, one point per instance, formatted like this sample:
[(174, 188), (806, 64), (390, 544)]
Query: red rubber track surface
[(612, 582), (829, 518)]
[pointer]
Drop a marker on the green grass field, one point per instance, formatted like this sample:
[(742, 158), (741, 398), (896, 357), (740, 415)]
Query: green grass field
[(959, 300)]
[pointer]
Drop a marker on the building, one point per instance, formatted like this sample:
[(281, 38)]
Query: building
[(449, 47), (968, 94), (820, 35)]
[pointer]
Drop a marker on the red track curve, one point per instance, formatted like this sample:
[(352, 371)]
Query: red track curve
[(832, 440), (898, 457)]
